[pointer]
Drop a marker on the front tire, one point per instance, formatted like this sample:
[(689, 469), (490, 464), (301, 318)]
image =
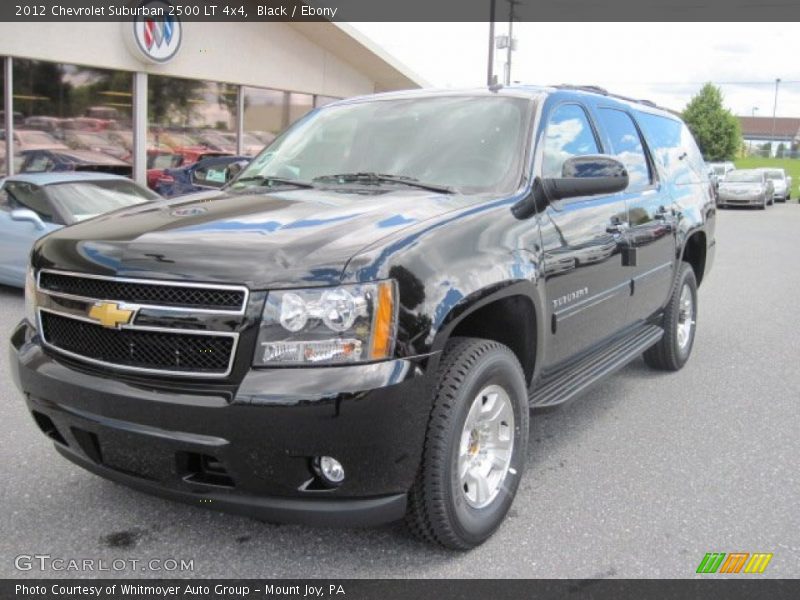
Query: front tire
[(475, 446), (674, 348)]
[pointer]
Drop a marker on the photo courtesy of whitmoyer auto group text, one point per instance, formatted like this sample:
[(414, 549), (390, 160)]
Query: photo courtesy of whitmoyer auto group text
[(399, 300)]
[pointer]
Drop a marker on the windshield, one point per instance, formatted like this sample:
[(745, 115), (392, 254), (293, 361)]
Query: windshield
[(85, 199), (774, 175), (743, 177), (469, 143)]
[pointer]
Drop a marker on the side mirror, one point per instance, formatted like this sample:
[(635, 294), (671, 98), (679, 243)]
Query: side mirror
[(590, 175), (26, 214)]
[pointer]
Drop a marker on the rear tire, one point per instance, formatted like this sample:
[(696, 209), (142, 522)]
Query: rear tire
[(675, 347), (448, 505)]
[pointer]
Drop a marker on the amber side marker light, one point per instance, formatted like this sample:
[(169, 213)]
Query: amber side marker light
[(383, 329)]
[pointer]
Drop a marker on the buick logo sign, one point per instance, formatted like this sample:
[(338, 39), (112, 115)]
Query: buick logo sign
[(153, 36)]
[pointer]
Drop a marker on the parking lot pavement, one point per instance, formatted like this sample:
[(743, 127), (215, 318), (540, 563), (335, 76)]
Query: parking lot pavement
[(638, 478)]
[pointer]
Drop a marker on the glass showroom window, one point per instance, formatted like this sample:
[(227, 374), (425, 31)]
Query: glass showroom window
[(188, 121), (268, 112), (265, 115), (299, 105), (323, 100), (69, 114)]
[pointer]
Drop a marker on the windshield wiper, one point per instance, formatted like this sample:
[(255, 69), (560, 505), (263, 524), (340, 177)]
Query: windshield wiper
[(271, 181), (376, 178)]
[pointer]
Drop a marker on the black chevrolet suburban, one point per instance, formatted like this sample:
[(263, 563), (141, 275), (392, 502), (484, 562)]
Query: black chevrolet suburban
[(354, 329)]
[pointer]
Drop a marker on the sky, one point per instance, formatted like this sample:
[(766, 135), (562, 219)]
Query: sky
[(663, 62)]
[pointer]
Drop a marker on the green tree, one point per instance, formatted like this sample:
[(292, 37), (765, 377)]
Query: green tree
[(716, 130)]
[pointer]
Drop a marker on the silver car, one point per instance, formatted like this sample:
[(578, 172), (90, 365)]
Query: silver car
[(782, 183), (746, 187)]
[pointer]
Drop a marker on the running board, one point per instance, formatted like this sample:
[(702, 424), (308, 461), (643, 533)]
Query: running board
[(566, 383)]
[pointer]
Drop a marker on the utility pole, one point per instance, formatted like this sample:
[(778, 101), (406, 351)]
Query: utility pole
[(750, 145), (510, 48), (490, 69), (774, 112)]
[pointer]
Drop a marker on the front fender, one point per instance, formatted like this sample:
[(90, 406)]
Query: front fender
[(448, 269)]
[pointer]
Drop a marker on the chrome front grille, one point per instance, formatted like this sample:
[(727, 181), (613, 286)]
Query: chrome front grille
[(137, 291), (94, 319), (151, 350)]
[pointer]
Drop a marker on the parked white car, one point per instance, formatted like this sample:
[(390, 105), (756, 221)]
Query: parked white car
[(721, 169), (782, 183)]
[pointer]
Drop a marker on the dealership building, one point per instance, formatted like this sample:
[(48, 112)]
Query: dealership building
[(140, 89)]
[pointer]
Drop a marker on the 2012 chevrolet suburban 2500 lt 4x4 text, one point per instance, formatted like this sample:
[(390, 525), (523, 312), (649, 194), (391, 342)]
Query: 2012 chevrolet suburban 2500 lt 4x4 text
[(354, 329)]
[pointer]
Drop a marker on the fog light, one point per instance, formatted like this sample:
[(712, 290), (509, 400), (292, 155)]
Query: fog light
[(330, 469)]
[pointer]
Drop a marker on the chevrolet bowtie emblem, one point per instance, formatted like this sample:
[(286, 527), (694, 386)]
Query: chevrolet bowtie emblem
[(110, 315)]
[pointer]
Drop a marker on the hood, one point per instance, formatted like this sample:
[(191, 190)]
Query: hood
[(277, 239), (741, 185)]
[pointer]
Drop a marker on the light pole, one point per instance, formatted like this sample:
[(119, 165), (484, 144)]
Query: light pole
[(774, 112)]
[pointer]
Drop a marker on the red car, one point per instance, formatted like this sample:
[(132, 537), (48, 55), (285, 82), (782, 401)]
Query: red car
[(161, 159)]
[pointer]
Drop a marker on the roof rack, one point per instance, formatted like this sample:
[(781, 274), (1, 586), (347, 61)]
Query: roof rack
[(596, 89), (585, 88)]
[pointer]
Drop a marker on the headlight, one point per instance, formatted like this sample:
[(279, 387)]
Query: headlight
[(345, 324), (30, 297)]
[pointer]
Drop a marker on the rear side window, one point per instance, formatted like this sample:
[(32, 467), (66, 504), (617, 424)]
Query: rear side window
[(626, 144), (568, 134), (39, 163), (674, 147)]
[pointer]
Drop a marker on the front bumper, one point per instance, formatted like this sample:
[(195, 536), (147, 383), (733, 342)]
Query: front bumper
[(247, 449), (740, 199)]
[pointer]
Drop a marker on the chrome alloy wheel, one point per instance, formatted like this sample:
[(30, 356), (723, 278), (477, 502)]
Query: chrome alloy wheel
[(486, 447), (685, 317)]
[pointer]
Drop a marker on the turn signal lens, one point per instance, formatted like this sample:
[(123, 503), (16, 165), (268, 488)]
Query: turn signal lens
[(383, 325)]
